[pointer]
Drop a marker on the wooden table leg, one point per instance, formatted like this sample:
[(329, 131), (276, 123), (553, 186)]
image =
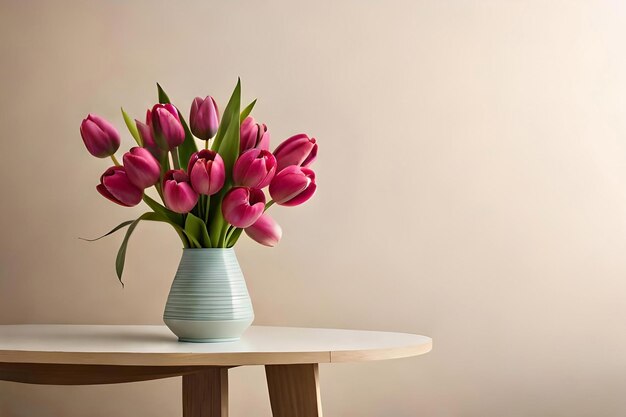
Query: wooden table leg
[(294, 390), (205, 394)]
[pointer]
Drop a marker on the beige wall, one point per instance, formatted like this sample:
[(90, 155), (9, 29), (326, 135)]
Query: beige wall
[(472, 187)]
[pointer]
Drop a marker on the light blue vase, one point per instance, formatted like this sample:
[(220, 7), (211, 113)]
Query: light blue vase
[(209, 300)]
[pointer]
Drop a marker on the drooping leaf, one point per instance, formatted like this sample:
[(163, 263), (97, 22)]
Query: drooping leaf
[(121, 254), (132, 127), (115, 229), (246, 112), (150, 216), (195, 227), (229, 113)]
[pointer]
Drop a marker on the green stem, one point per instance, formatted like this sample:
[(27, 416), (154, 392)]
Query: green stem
[(159, 190), (222, 238), (175, 160), (207, 209), (206, 144), (232, 240), (115, 161), (228, 235), (165, 165), (268, 205)]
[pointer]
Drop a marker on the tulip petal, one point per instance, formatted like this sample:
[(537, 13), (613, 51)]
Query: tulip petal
[(122, 189), (292, 186), (99, 136), (105, 193), (243, 206), (115, 185), (178, 194), (302, 197), (295, 151), (265, 231), (142, 168)]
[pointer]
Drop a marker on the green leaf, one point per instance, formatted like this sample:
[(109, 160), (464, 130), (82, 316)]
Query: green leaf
[(115, 229), (232, 110), (150, 216), (121, 254), (234, 236), (246, 112), (163, 98), (132, 127), (229, 152), (195, 227), (227, 145), (229, 149)]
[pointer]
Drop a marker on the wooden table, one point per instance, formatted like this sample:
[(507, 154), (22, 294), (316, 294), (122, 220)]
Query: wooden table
[(84, 355)]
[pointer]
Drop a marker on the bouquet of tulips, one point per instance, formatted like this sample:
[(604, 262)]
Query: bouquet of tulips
[(209, 196)]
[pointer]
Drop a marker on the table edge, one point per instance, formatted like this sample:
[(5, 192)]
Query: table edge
[(422, 345), (212, 359)]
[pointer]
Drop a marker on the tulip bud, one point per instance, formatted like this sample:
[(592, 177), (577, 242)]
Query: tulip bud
[(255, 168), (298, 150), (142, 168), (207, 172), (242, 206), (117, 187), (204, 117), (293, 186), (100, 137), (178, 194), (265, 231), (166, 126), (253, 135), (147, 139)]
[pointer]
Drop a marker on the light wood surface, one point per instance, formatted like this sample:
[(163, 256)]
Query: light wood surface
[(79, 354), (294, 390), (205, 394), (157, 346)]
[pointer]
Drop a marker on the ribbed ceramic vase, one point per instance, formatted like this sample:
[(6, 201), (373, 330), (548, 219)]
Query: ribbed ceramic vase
[(209, 300)]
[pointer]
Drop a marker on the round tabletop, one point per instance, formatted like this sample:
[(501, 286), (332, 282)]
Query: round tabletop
[(157, 346)]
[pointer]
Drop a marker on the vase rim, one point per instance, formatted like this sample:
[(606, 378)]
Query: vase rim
[(212, 249)]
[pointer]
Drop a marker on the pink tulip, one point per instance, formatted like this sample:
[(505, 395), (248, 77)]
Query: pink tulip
[(100, 137), (298, 150), (293, 186), (178, 194), (253, 135), (117, 187), (265, 231), (147, 139), (255, 168), (242, 206), (207, 172), (204, 117), (142, 168), (166, 126)]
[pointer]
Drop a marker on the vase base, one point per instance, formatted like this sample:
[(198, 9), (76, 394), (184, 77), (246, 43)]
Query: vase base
[(210, 340), (208, 331)]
